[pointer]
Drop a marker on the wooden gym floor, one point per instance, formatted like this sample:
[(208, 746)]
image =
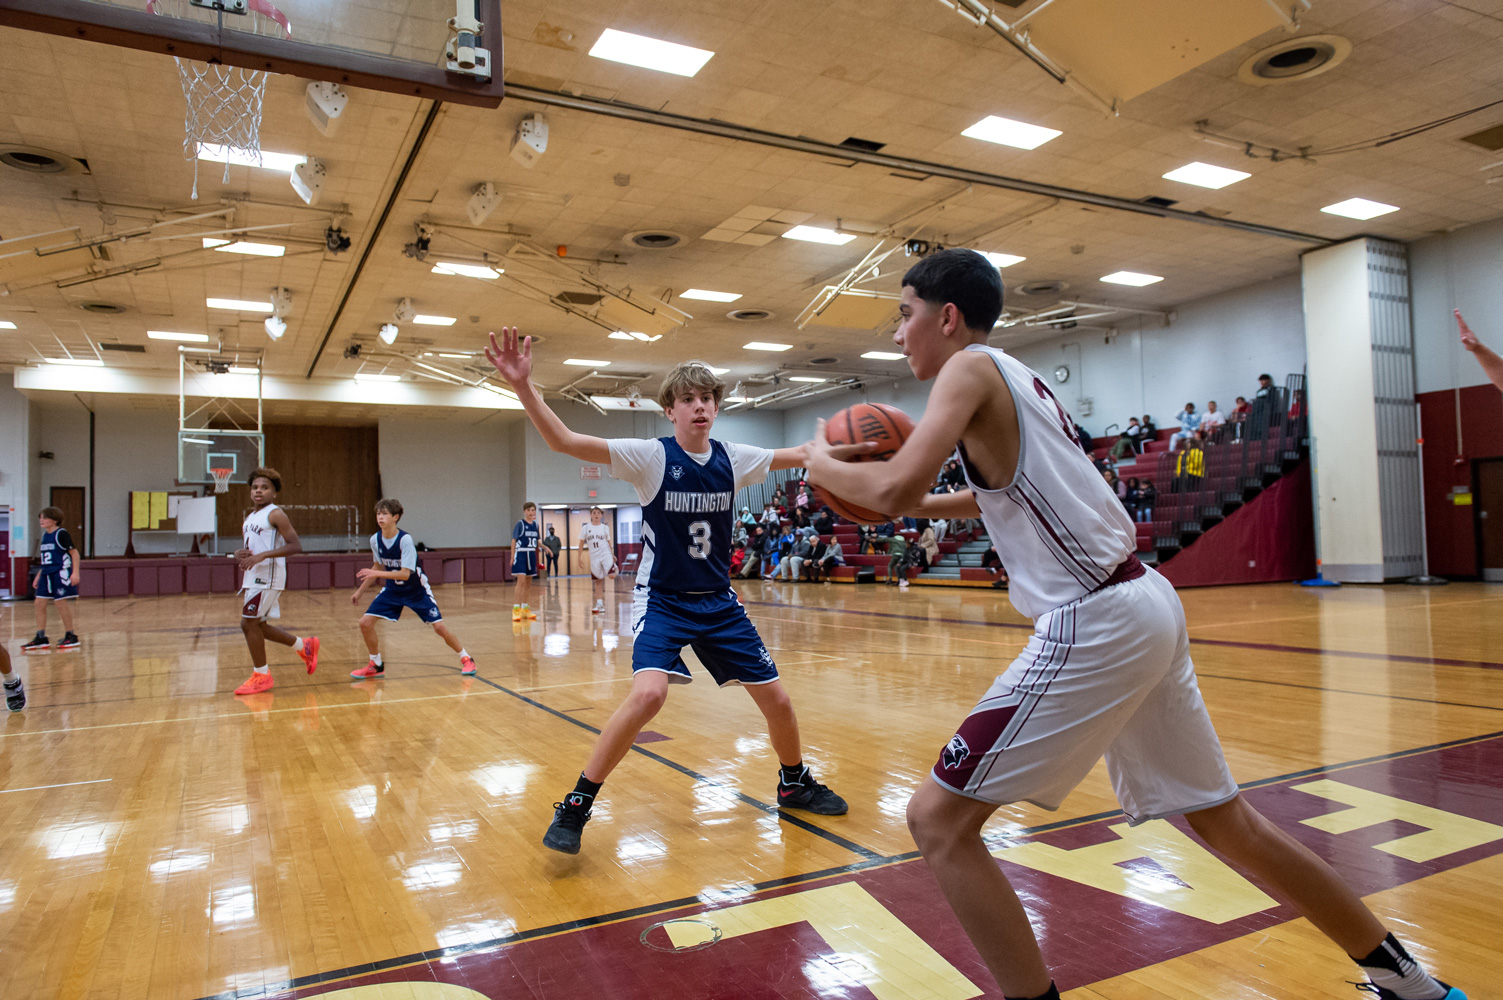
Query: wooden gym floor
[(163, 838)]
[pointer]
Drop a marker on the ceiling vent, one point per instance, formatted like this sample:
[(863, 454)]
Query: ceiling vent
[(865, 145), (1490, 139), (579, 298), (126, 348), (748, 315), (1294, 59), (1035, 288), (1158, 202), (824, 361), (36, 160), (102, 308), (654, 239)]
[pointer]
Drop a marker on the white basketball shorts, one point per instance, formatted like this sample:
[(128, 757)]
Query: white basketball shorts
[(1109, 674), (601, 565), (261, 603)]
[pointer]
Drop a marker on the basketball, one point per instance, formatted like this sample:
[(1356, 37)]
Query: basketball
[(886, 425)]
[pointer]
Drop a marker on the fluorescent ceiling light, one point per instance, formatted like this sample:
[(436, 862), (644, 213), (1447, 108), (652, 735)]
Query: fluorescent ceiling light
[(1206, 175), (1001, 260), (269, 160), (1007, 132), (650, 53), (246, 246), (435, 320), (467, 270), (81, 362), (464, 357), (814, 234), (585, 362), (239, 304), (498, 390), (6, 324), (737, 399), (1360, 208), (242, 370), (758, 345), (621, 335), (187, 338), (806, 378), (198, 441), (625, 403), (883, 356), (700, 293), (363, 377), (1131, 278), (717, 371)]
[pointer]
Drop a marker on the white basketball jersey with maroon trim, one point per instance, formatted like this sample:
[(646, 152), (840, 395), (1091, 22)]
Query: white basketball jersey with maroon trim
[(262, 536), (1060, 530)]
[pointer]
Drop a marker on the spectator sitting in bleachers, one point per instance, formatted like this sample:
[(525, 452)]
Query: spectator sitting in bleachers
[(747, 518), (1133, 497), (1189, 423), (1147, 497), (940, 526), (992, 563), (738, 558), (1117, 485), (771, 548), (1238, 418), (1150, 429), (824, 521), (1189, 466), (1211, 423), (1129, 442), (770, 514), (1297, 405), (753, 558), (791, 568), (800, 518), (1086, 441), (827, 560), (928, 544), (897, 557)]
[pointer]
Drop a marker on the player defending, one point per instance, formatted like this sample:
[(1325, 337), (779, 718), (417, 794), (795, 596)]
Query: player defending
[(1107, 670), (682, 597), (595, 539), (269, 540), (56, 581), (524, 561), (404, 586)]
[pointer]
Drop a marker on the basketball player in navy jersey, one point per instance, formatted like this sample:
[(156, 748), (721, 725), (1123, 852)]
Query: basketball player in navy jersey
[(683, 596), (403, 586), (56, 581), (1107, 670)]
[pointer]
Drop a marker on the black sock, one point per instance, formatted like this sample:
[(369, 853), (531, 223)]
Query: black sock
[(1386, 956), (584, 793), (793, 774), (1052, 993)]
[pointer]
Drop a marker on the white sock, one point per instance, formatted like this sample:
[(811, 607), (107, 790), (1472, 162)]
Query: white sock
[(376, 659), (297, 645), (263, 670), (1399, 973), (463, 653)]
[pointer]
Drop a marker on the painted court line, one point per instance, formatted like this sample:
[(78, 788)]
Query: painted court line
[(65, 784)]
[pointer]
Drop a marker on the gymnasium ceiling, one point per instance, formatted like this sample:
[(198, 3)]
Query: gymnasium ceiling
[(908, 74)]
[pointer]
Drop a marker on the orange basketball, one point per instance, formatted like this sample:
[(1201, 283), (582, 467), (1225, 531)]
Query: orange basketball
[(888, 426)]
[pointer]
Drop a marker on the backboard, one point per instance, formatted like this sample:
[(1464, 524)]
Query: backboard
[(392, 45), (198, 451)]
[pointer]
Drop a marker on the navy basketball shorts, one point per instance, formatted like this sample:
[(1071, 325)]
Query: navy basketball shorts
[(524, 564), (389, 606), (714, 625), (55, 587)]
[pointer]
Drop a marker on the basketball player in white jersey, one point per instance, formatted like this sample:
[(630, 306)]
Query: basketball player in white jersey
[(1107, 670), (269, 540), (595, 539)]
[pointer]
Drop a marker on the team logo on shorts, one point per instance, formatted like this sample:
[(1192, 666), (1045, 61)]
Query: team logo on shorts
[(766, 657), (956, 751), (676, 471)]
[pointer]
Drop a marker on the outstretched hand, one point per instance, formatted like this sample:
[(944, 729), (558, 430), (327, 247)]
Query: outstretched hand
[(1492, 364), (819, 448), (1468, 338), (511, 356)]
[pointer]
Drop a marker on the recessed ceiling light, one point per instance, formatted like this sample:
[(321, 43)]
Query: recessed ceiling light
[(245, 246), (1007, 132), (189, 338), (700, 293), (806, 378), (80, 362), (363, 377), (1001, 260), (239, 304), (1360, 208), (269, 160), (621, 335), (883, 356), (6, 324), (1206, 175), (243, 370), (1131, 278), (650, 53), (585, 362), (435, 320), (717, 371), (814, 234), (758, 345), (467, 270)]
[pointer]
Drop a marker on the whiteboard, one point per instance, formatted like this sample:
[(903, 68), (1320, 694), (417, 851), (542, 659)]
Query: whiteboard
[(197, 516)]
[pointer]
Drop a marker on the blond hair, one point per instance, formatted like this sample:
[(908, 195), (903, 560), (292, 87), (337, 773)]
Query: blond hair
[(690, 375)]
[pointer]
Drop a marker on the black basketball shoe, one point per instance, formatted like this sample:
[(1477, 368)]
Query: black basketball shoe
[(41, 644), (810, 796), (15, 695), (569, 818)]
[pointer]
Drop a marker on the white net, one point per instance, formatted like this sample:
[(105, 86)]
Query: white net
[(221, 479), (224, 102)]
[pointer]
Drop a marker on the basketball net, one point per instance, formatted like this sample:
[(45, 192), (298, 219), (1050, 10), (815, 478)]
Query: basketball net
[(221, 479), (224, 102)]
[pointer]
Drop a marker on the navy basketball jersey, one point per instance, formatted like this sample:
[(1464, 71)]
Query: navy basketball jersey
[(687, 528), (525, 537), (54, 553), (389, 555)]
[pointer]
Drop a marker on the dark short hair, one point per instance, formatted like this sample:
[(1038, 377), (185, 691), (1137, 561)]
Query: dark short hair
[(53, 514), (594, 509), (529, 505), (963, 277), (265, 473), (1265, 375), (392, 507)]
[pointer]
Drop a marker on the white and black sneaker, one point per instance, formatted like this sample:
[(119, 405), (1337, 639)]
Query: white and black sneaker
[(15, 694)]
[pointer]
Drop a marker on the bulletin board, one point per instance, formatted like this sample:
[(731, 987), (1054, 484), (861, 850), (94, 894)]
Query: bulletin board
[(152, 511)]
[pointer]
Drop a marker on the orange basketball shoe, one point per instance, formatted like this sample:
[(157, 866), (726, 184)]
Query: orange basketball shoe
[(309, 652), (256, 684)]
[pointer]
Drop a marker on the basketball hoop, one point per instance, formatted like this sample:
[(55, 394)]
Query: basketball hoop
[(221, 479), (224, 102)]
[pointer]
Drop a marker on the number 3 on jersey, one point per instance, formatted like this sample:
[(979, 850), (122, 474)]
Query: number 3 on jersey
[(699, 540)]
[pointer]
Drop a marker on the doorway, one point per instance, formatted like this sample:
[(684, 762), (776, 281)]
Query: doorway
[(70, 500), (1488, 501)]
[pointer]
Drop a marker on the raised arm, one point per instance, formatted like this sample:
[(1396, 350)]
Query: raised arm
[(1492, 365), (513, 360)]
